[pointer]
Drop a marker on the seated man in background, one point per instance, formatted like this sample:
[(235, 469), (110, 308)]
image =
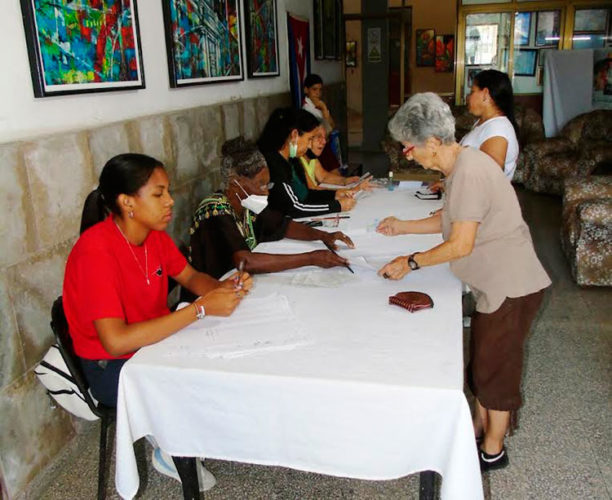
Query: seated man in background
[(228, 225)]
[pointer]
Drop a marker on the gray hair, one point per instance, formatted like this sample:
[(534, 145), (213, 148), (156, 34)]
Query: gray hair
[(240, 157), (423, 116)]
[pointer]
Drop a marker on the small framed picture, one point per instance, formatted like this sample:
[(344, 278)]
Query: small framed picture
[(445, 53), (591, 20), (350, 54), (525, 62), (547, 28), (470, 73), (425, 47), (522, 28)]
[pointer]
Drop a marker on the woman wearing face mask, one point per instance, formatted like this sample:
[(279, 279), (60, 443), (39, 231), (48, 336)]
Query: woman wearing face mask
[(287, 135), (228, 225)]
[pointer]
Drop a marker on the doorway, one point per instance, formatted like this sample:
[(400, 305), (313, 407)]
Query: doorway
[(380, 68)]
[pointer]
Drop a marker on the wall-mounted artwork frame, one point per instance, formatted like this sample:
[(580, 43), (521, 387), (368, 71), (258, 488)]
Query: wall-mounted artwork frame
[(425, 47), (525, 62), (522, 28), (328, 29), (350, 54), (445, 54), (261, 34), (548, 31), (590, 20), (471, 72), (203, 41), (63, 43)]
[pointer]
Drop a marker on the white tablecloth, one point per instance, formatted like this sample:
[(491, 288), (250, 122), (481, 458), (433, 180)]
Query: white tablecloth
[(376, 393)]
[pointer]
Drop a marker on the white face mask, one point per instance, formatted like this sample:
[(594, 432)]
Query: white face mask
[(253, 202)]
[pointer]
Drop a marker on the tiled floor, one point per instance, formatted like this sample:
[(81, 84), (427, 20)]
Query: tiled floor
[(561, 451)]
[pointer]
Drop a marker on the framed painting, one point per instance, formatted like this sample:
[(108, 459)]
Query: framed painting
[(261, 38), (445, 54), (547, 28), (73, 48), (328, 28), (525, 62), (425, 47), (470, 73), (203, 41), (522, 28), (350, 56), (591, 20)]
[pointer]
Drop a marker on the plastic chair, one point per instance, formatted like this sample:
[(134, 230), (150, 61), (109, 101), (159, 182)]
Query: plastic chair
[(107, 415)]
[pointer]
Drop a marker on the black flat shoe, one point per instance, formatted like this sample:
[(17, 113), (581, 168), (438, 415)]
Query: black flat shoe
[(492, 462)]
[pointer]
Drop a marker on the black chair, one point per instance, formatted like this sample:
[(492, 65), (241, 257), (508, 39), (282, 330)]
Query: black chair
[(107, 415)]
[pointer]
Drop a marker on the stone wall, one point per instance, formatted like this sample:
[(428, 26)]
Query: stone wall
[(43, 184)]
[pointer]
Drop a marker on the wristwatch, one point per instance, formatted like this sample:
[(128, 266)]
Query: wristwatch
[(412, 264), (200, 311)]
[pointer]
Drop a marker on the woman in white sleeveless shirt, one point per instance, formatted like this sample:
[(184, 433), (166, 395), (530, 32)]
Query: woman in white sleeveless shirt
[(492, 101)]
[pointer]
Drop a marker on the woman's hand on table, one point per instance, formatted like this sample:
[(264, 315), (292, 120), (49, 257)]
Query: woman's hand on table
[(330, 239), (354, 178), (221, 301), (347, 204), (326, 259), (389, 226), (345, 193), (238, 281), (396, 269), (434, 187)]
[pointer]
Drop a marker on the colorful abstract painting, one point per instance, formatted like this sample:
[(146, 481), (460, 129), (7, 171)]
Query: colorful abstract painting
[(202, 41), (82, 45), (445, 53), (425, 47), (261, 38)]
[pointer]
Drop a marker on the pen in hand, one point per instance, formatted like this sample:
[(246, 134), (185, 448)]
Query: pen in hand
[(238, 284), (331, 249)]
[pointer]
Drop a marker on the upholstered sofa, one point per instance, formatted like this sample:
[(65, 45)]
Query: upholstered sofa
[(586, 229), (584, 144)]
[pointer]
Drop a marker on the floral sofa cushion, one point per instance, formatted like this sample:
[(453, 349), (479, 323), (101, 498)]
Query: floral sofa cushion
[(584, 143), (586, 229)]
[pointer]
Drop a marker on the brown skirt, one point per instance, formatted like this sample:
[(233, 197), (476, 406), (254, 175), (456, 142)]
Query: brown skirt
[(496, 352)]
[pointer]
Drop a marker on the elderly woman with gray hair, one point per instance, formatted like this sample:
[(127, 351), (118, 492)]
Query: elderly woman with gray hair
[(489, 247), (228, 225)]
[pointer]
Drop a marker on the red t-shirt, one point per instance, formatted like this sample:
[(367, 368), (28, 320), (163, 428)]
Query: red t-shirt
[(103, 280)]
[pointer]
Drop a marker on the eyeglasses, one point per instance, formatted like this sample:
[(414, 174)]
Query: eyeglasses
[(407, 150), (266, 187)]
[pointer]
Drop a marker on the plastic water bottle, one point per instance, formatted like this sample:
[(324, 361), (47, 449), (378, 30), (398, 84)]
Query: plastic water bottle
[(390, 186)]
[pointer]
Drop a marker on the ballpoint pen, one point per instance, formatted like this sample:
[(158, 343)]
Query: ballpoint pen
[(331, 249), (240, 271), (335, 217)]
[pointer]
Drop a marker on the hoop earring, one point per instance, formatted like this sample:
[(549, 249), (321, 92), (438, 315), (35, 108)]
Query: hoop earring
[(131, 214)]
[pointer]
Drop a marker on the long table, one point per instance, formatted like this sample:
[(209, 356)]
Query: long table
[(375, 393)]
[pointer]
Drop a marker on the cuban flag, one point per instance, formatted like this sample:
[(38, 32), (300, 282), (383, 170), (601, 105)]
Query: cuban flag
[(298, 32)]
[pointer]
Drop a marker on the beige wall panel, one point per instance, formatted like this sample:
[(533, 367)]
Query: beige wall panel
[(35, 435), (12, 362), (34, 285), (106, 142), (15, 204), (60, 177)]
